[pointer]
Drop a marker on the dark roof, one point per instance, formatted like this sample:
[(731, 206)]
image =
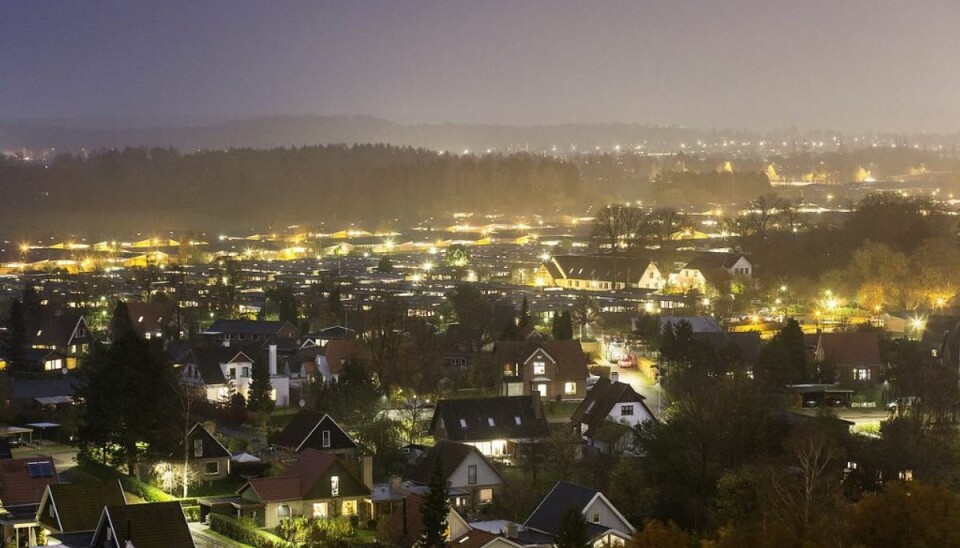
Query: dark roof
[(598, 267), (747, 344), (44, 388), (5, 452), (450, 453), (209, 358), (50, 329), (564, 496), (331, 333), (148, 525), (598, 403), (298, 478), (151, 316), (304, 431), (713, 260), (211, 446), (79, 505), (476, 415), (17, 484), (571, 361), (263, 328), (846, 349)]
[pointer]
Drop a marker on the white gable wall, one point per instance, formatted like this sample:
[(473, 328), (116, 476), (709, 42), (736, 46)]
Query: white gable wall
[(486, 476), (607, 516)]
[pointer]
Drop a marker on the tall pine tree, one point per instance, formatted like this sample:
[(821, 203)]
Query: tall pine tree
[(434, 511), (258, 396)]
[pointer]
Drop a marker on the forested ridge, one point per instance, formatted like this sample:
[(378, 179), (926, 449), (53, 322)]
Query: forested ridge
[(363, 183)]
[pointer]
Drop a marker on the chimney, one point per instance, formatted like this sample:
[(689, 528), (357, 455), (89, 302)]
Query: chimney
[(273, 360), (395, 484), (512, 530), (614, 376), (368, 471)]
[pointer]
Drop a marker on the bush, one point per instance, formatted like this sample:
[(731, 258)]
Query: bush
[(304, 531), (245, 533), (372, 524), (192, 513), (355, 521), (130, 484)]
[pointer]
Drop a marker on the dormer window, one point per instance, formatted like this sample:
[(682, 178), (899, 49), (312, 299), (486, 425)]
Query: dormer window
[(463, 423), (516, 419), (490, 421)]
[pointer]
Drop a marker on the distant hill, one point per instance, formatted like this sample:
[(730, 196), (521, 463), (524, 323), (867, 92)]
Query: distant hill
[(280, 131)]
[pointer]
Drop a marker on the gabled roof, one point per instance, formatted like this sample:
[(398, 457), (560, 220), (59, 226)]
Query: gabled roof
[(78, 506), (48, 329), (571, 361), (263, 328), (151, 317), (599, 402), (298, 478), (331, 333), (212, 448), (561, 499), (148, 525), (846, 349), (451, 455), (491, 418), (598, 267), (209, 358), (304, 431), (23, 480), (713, 260)]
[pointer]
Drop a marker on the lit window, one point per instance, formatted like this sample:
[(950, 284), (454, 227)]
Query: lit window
[(861, 374), (539, 368), (486, 496), (325, 438), (320, 510), (490, 421), (570, 388), (516, 419), (626, 410), (334, 486), (349, 508), (463, 423)]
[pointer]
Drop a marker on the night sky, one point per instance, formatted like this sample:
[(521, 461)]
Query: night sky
[(841, 64)]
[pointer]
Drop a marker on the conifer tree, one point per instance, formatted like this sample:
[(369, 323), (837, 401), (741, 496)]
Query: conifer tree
[(258, 396), (434, 510)]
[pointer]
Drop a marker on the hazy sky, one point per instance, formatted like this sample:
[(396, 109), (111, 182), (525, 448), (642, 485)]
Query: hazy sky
[(845, 64)]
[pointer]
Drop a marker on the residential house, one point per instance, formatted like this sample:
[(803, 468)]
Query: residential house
[(713, 270), (405, 525), (312, 430), (207, 457), (599, 273), (336, 353), (606, 417), (316, 484), (247, 331), (155, 320), (222, 371), (606, 526), (553, 369), (323, 336), (148, 525), (472, 479), (22, 484), (499, 427), (853, 356), (70, 512), (65, 333)]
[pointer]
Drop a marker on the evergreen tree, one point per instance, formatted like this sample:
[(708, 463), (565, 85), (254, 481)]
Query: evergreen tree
[(336, 306), (16, 340), (385, 265), (434, 510), (562, 326), (258, 396), (572, 532), (122, 325), (784, 359), (524, 321)]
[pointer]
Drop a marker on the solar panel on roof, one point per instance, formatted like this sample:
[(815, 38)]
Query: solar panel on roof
[(39, 469)]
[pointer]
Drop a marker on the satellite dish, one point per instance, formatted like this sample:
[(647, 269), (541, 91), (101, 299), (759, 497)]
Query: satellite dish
[(303, 403)]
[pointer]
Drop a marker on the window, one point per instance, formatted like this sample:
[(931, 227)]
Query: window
[(862, 374), (348, 508), (570, 388), (334, 486), (463, 423), (486, 496), (516, 419), (211, 468), (539, 368), (232, 373), (198, 448), (325, 438), (320, 510), (490, 421), (53, 365), (626, 410), (542, 389), (245, 372), (472, 474), (283, 511), (596, 517), (51, 512)]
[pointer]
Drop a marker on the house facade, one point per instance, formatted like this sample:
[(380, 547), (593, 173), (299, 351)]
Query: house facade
[(599, 273), (473, 480), (552, 369), (712, 269), (501, 427)]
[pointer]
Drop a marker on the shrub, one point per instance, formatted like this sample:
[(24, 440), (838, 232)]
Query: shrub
[(372, 524), (246, 533), (192, 513), (355, 521)]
